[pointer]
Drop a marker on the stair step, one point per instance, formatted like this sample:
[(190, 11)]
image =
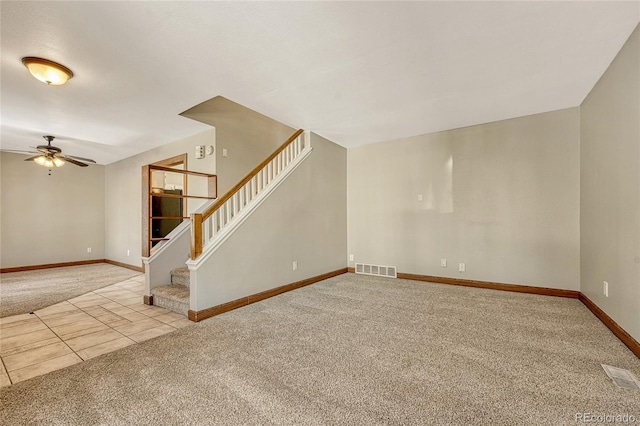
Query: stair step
[(173, 297), (180, 276)]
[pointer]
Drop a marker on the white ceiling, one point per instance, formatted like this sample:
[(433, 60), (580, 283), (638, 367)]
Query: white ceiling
[(354, 72)]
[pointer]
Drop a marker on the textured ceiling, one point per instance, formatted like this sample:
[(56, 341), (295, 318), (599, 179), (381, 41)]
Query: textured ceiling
[(354, 72)]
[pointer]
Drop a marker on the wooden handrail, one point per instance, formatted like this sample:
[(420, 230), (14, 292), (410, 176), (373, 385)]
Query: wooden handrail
[(148, 218), (169, 217), (200, 197), (212, 208), (185, 172)]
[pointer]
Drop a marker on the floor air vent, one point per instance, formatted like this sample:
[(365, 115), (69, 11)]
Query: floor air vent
[(621, 377), (377, 270)]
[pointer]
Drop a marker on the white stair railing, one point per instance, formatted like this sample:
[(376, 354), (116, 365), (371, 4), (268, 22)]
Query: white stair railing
[(213, 222)]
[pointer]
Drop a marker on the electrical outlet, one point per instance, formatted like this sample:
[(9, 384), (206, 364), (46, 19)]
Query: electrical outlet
[(605, 288), (224, 152), (462, 267), (88, 249), (420, 198), (350, 258), (443, 263), (128, 252), (295, 265)]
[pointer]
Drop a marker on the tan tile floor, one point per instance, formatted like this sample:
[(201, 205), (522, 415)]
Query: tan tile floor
[(81, 328)]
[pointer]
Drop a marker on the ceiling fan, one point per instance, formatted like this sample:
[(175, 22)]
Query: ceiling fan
[(51, 156)]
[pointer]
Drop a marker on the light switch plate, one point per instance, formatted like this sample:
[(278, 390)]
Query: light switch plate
[(199, 151)]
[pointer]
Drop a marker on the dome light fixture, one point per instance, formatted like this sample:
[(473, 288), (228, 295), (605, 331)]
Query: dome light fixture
[(49, 72)]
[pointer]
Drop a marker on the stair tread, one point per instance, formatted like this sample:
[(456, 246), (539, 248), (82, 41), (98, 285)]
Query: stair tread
[(175, 292), (180, 271)]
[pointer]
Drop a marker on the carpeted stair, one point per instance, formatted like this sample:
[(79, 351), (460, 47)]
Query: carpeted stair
[(174, 297)]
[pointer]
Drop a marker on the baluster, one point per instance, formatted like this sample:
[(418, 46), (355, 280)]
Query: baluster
[(212, 225)]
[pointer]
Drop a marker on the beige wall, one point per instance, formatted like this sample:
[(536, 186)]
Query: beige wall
[(501, 197), (123, 194), (610, 189), (304, 219), (50, 219), (249, 137)]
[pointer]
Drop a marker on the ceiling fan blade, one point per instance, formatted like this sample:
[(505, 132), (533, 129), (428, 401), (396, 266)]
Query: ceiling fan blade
[(44, 151), (72, 161), (32, 158), (80, 158), (17, 151)]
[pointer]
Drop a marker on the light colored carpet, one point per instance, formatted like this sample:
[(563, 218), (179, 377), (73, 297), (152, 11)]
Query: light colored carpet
[(351, 350), (24, 292)]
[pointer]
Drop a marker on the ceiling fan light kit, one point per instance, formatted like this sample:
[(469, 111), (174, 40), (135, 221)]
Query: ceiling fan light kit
[(50, 156), (48, 161), (49, 72)]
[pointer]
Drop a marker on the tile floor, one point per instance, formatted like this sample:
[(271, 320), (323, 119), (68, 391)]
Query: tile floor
[(81, 328)]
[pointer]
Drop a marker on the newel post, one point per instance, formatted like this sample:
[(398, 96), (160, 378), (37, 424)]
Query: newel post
[(196, 235)]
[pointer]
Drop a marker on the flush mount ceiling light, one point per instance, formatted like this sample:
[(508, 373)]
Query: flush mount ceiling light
[(47, 71)]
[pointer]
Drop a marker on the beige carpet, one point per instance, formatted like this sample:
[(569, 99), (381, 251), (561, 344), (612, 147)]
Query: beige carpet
[(351, 350), (24, 292)]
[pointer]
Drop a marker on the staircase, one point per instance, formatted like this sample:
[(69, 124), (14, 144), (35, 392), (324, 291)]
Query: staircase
[(175, 296), (211, 225)]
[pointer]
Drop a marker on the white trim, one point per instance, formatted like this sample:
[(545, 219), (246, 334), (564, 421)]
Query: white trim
[(175, 233)]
